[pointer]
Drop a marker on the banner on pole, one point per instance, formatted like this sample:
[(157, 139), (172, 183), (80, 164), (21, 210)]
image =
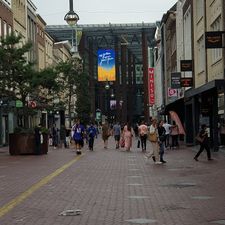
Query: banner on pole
[(106, 65)]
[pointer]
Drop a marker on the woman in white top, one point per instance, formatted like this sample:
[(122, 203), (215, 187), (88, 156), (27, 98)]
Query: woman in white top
[(155, 144)]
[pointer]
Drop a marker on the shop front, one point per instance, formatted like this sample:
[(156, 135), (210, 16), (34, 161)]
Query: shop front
[(205, 105)]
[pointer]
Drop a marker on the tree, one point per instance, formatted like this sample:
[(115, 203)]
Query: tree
[(74, 82), (15, 72)]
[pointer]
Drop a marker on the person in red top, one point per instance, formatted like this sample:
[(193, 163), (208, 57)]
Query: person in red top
[(143, 131)]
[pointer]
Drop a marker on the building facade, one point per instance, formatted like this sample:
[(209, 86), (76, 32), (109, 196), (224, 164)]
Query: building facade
[(19, 9)]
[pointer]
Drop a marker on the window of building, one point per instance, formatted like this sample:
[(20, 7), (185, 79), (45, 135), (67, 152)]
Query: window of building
[(217, 52), (200, 54), (4, 29), (10, 29)]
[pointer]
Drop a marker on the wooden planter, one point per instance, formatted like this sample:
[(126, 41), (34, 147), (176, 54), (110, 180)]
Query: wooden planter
[(20, 144)]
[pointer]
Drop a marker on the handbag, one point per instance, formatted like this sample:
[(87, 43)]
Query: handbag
[(199, 139), (153, 137)]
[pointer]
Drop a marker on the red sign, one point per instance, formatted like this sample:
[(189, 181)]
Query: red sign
[(151, 86)]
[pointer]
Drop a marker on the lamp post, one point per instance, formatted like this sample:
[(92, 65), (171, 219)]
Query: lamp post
[(71, 18)]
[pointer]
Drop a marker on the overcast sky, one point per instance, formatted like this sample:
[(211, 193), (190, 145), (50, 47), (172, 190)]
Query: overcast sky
[(104, 11)]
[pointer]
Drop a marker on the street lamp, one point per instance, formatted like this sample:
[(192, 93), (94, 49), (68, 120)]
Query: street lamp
[(71, 18)]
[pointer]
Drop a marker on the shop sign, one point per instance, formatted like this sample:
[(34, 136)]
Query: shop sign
[(151, 86), (172, 92), (186, 82), (175, 80), (214, 39), (185, 65)]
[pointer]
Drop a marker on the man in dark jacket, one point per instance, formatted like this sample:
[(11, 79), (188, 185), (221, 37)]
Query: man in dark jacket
[(204, 143)]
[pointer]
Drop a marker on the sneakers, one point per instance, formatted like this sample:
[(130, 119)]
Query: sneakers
[(163, 161), (210, 159), (195, 158), (157, 163)]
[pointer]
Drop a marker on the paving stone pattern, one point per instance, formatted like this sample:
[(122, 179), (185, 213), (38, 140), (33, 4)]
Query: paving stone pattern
[(114, 187)]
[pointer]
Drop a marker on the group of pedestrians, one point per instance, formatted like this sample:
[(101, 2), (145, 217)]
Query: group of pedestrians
[(160, 134)]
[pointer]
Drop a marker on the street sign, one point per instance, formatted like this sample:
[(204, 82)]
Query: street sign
[(19, 104), (175, 80)]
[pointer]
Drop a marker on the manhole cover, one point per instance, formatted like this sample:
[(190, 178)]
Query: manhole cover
[(202, 197), (141, 221), (138, 197), (71, 212), (219, 222)]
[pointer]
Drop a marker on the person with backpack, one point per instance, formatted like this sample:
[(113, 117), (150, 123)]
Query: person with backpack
[(91, 133)]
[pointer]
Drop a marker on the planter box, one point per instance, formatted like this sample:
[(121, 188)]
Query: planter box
[(20, 144)]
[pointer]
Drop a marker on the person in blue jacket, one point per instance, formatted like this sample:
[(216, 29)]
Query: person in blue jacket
[(91, 132), (78, 136)]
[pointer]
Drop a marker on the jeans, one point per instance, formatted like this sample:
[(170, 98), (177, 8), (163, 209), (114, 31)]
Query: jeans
[(91, 143), (161, 151), (143, 142)]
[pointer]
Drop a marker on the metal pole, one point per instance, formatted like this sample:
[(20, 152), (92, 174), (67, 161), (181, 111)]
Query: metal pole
[(71, 5)]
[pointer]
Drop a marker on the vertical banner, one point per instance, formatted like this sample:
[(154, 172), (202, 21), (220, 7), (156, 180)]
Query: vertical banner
[(106, 65), (151, 86)]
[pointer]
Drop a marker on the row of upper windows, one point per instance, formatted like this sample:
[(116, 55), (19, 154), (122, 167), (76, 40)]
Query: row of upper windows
[(40, 32), (5, 29)]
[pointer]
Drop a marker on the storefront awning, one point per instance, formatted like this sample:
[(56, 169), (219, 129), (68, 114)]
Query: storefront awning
[(206, 87)]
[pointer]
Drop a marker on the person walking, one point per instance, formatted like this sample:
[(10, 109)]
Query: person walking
[(78, 135), (117, 133), (54, 136), (167, 127), (37, 134), (222, 134), (91, 133), (153, 137), (143, 131), (204, 144), (128, 135), (105, 134), (162, 139)]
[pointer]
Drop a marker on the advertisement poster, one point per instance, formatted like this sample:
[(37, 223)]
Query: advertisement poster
[(112, 104), (106, 65)]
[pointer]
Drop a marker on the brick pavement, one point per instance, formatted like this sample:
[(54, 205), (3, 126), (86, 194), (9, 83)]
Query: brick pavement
[(113, 187)]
